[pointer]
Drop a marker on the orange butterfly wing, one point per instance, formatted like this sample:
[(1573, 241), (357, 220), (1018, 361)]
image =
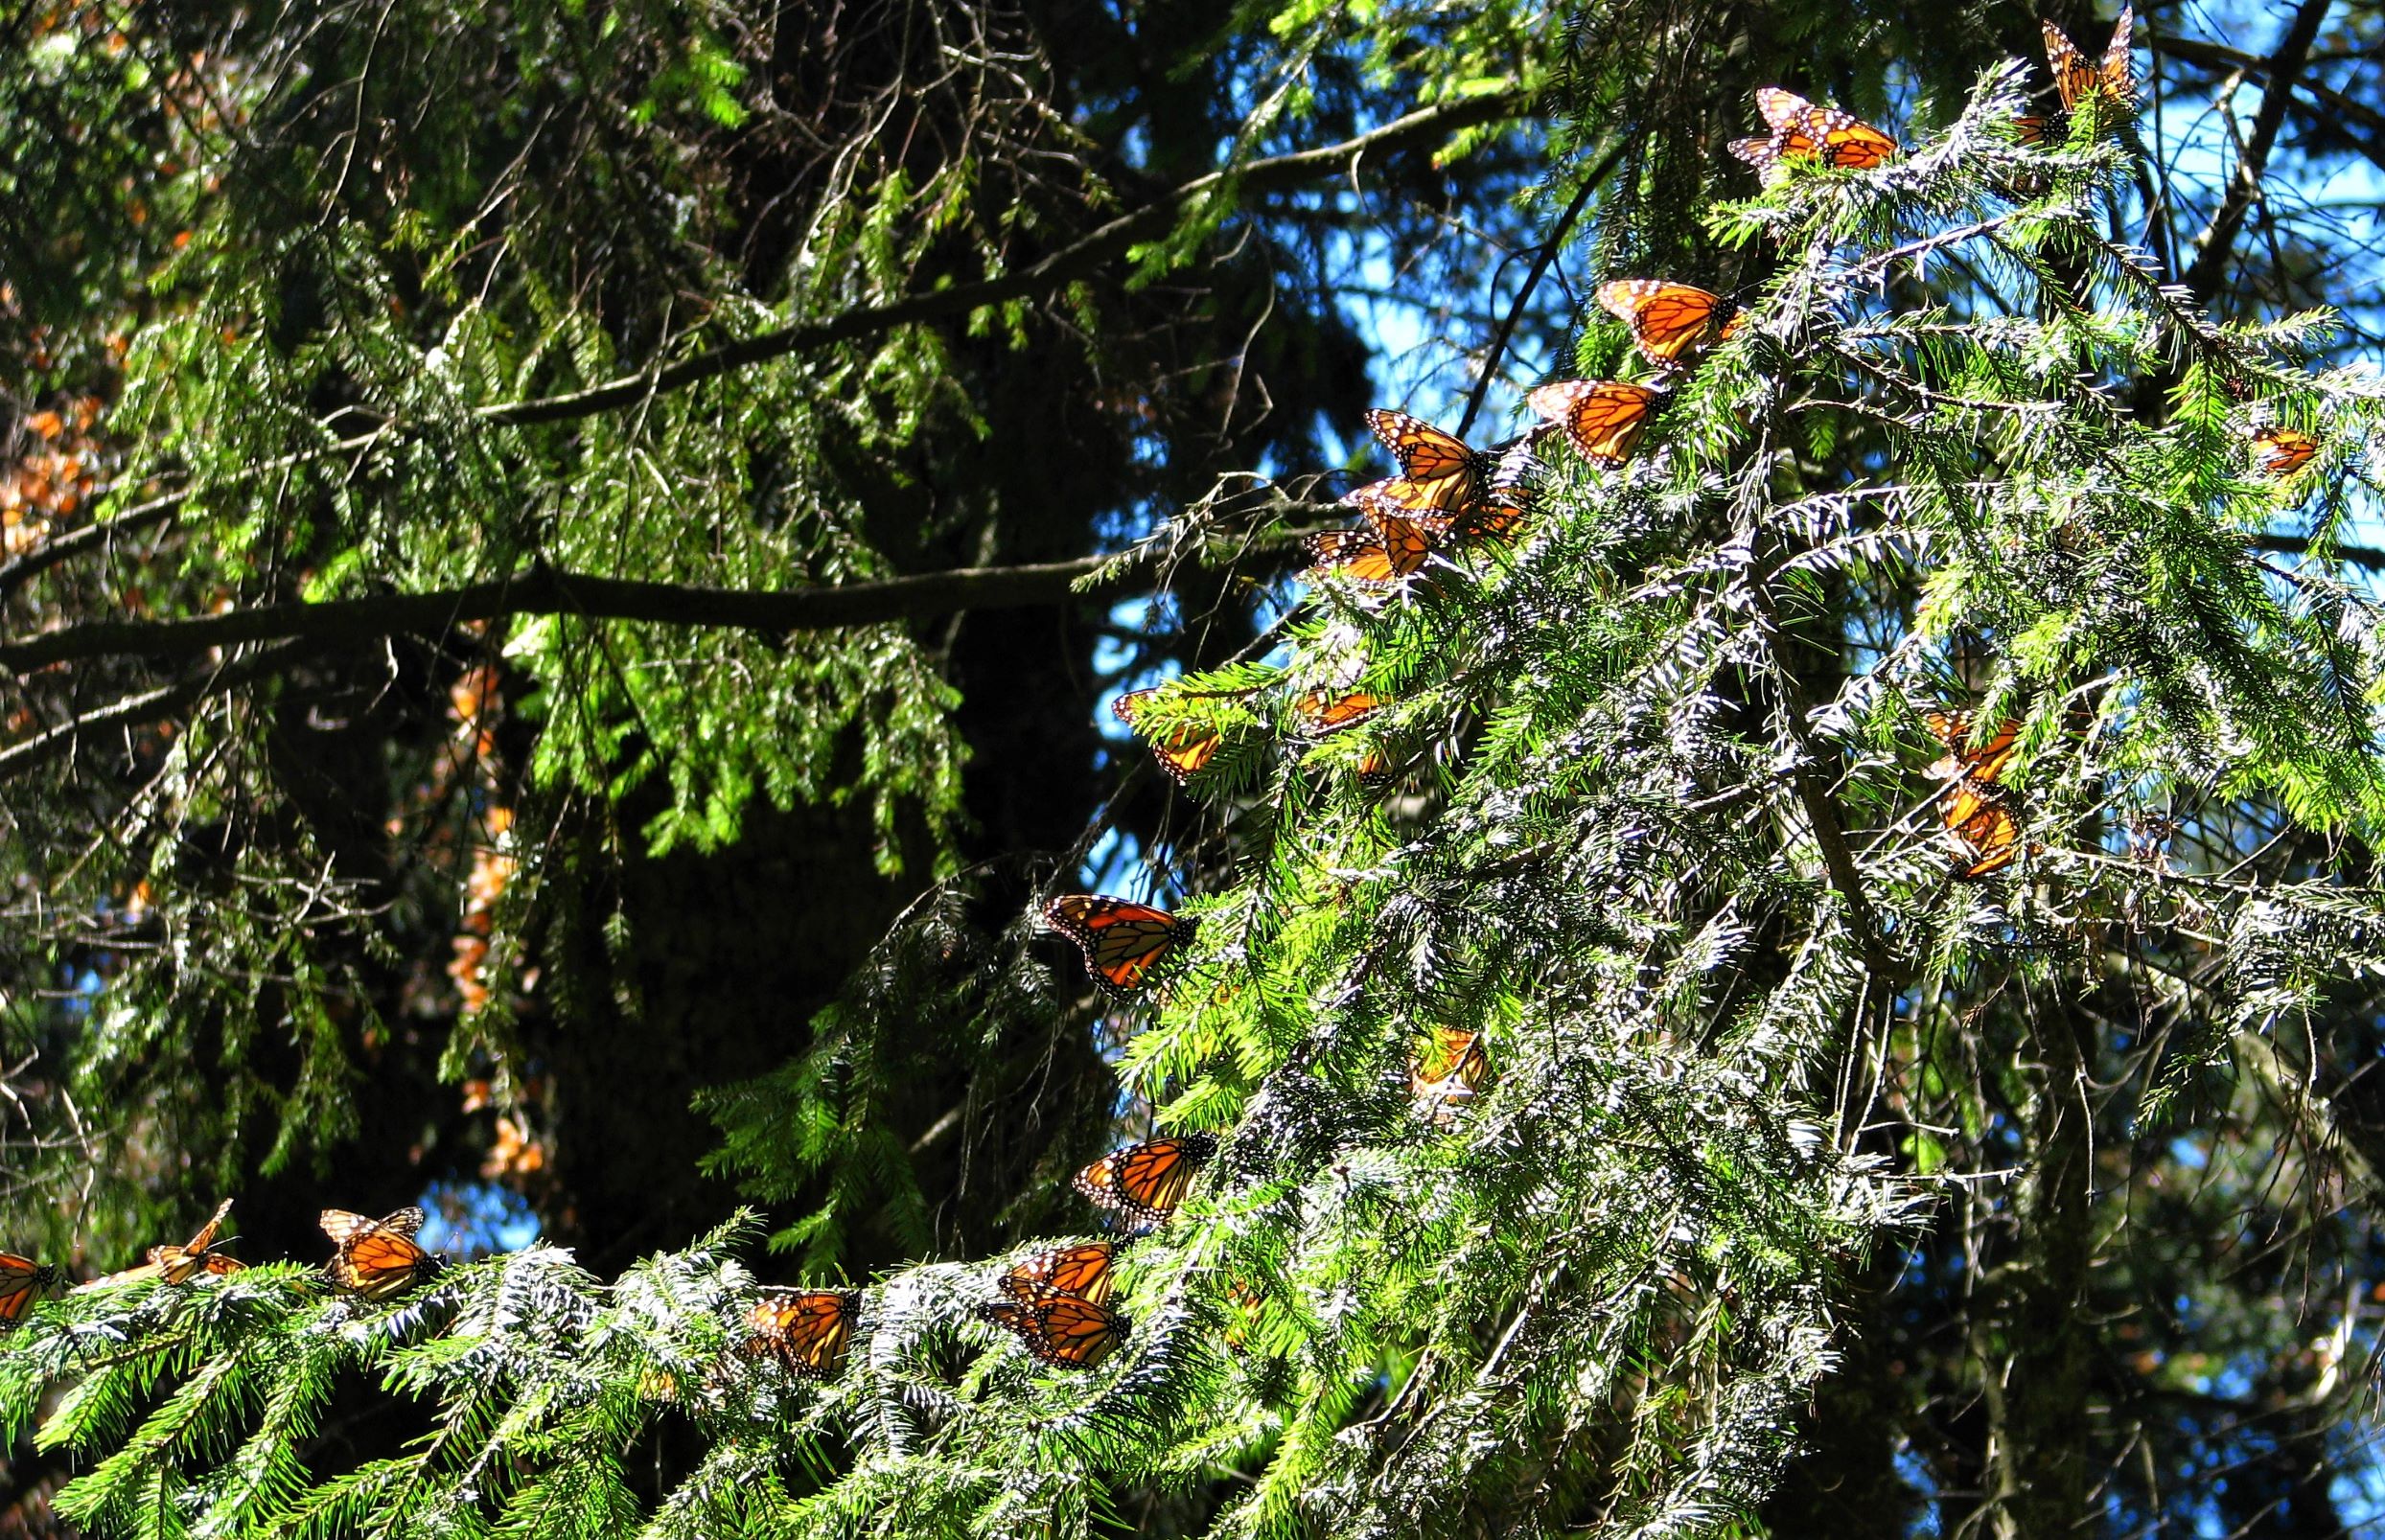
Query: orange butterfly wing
[(1506, 503), (178, 1264), (374, 1257), (1849, 142), (1060, 1329), (1371, 557), (1407, 542), (1084, 1271), (1757, 151), (2281, 451), (1425, 452), (2075, 79), (1975, 811), (1986, 829), (1803, 130), (22, 1281), (1446, 1073), (1981, 766), (806, 1330), (1322, 712), (1604, 419), (1667, 320), (1147, 1181), (1427, 502), (1189, 746), (1122, 941), (1453, 1055)]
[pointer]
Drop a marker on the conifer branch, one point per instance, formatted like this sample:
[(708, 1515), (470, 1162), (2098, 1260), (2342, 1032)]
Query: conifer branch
[(2366, 556), (1072, 260), (152, 706), (544, 590), (1812, 792), (21, 570)]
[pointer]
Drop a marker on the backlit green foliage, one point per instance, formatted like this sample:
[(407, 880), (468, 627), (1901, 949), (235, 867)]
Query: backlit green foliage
[(1660, 832)]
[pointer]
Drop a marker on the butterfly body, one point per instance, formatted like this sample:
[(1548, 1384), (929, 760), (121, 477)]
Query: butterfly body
[(376, 1259), (803, 1330), (1603, 418), (1124, 942), (1145, 1182)]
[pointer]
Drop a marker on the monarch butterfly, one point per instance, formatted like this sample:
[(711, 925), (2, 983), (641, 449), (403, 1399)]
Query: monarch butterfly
[(1426, 503), (2077, 80), (1123, 942), (1147, 1181), (1060, 1329), (1376, 768), (1804, 131), (1322, 712), (1396, 549), (1668, 321), (1446, 1073), (2281, 451), (1982, 765), (374, 1259), (1250, 1301), (805, 1330), (1602, 418), (22, 1281), (1976, 811), (1188, 747), (1508, 501), (1984, 830), (1084, 1271), (1429, 455), (180, 1264)]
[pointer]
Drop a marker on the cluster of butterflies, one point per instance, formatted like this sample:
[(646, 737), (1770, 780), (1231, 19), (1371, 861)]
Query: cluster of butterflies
[(1056, 1302), (1127, 945), (1447, 497), (371, 1260)]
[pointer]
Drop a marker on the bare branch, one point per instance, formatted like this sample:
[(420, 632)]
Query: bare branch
[(2284, 69), (2219, 55), (542, 590), (153, 705)]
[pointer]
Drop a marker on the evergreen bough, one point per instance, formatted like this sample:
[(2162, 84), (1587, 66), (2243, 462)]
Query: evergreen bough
[(1662, 837)]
